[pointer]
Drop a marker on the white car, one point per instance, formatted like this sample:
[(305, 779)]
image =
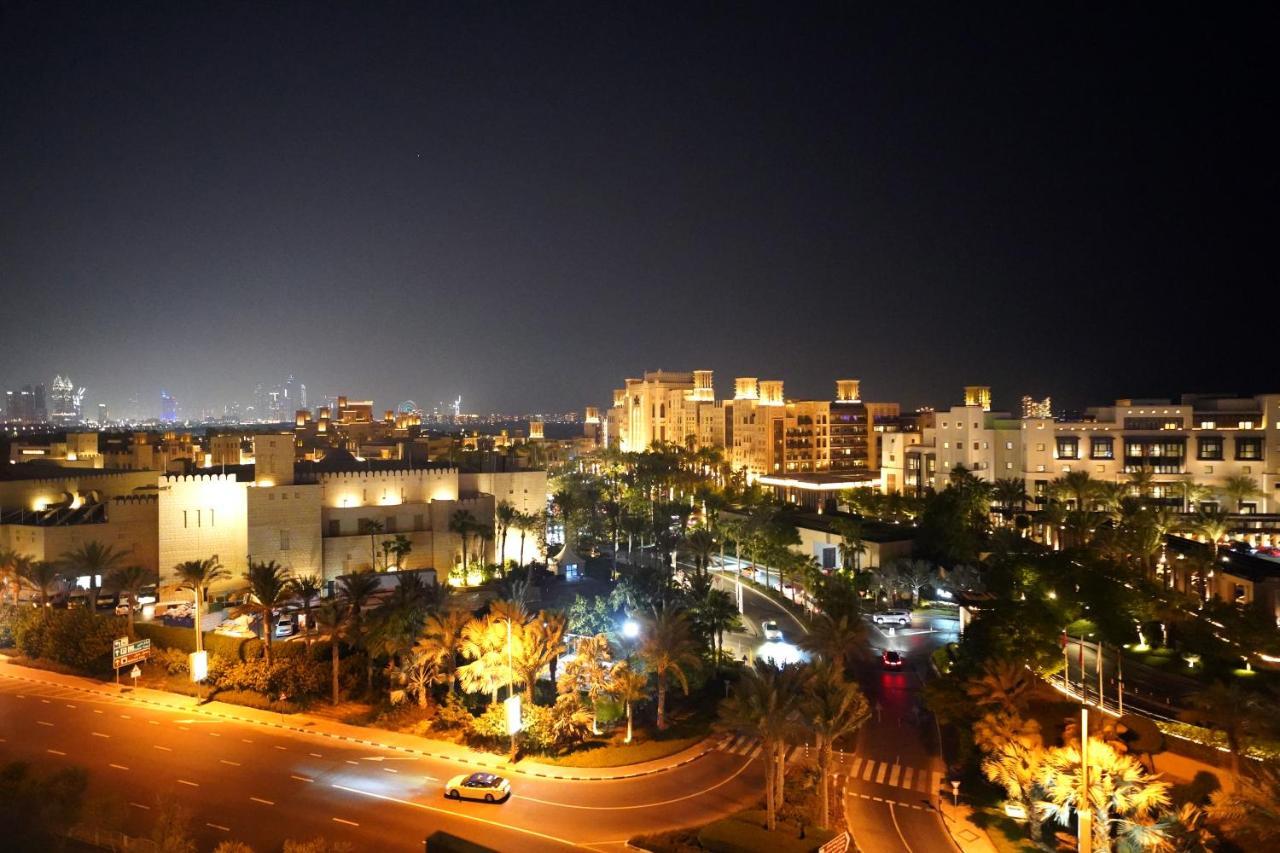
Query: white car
[(892, 617), (771, 631), (478, 786)]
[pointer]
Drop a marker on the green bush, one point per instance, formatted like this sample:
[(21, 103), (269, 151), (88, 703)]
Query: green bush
[(173, 661), (295, 678), (170, 637), (453, 717), (80, 639), (745, 833), (8, 621)]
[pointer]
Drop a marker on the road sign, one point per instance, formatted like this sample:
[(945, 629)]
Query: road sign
[(839, 844), (124, 653)]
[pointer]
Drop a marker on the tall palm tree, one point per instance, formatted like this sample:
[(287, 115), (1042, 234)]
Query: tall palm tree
[(701, 544), (1193, 493), (440, 643), (628, 686), (536, 644), (834, 640), (526, 521), (129, 581), (765, 703), (504, 515), (307, 588), (1230, 709), (1076, 486), (1120, 790), (714, 613), (357, 591), (40, 575), (833, 708), (270, 588), (198, 576), (588, 672), (915, 575), (333, 617), (1212, 525), (484, 641), (1010, 493), (463, 523), (93, 559), (1238, 488), (371, 527), (669, 649)]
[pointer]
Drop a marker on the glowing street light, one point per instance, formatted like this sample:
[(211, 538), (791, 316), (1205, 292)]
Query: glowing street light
[(631, 629)]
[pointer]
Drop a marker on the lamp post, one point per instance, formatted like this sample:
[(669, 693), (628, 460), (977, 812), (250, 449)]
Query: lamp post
[(1084, 812)]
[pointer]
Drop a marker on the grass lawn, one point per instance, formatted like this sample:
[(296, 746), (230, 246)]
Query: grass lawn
[(1007, 835), (614, 754), (745, 831)]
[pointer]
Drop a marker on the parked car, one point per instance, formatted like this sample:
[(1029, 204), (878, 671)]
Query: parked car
[(891, 617), (286, 625), (122, 609), (478, 786), (771, 631), (891, 659)]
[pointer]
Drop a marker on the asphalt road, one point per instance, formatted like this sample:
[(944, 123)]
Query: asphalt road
[(262, 786), (1150, 691)]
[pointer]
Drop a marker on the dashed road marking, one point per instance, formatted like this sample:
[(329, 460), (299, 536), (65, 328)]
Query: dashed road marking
[(218, 826), (43, 723), (125, 717), (153, 722), (347, 822), (301, 778), (391, 770), (245, 740), (281, 748), (214, 734), (96, 711), (162, 748), (349, 761), (72, 707), (185, 782), (55, 752), (232, 763), (141, 806), (99, 734), (264, 802), (315, 755), (118, 766)]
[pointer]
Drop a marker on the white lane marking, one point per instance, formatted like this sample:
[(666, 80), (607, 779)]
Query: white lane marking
[(162, 748), (315, 755), (391, 770), (868, 770), (906, 777), (141, 806), (893, 775), (264, 802), (185, 782), (153, 722), (184, 729), (72, 707), (96, 711), (245, 740), (902, 837), (214, 734), (281, 748), (232, 763), (347, 822), (218, 826), (46, 701), (99, 734), (43, 723), (125, 717), (884, 766), (349, 761), (695, 794), (55, 752), (302, 778), (118, 766)]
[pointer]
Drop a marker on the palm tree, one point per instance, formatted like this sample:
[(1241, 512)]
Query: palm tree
[(700, 544), (269, 589), (1230, 709), (1249, 813), (357, 591), (505, 515), (588, 672), (1212, 525), (40, 575), (95, 560), (1239, 488), (1015, 767), (333, 617), (1002, 683), (668, 648), (915, 575), (198, 576), (463, 523), (1010, 493), (371, 528), (535, 645), (1120, 790), (1141, 481), (307, 588), (9, 576), (628, 686), (1077, 486), (1193, 493), (834, 640), (765, 703), (129, 582), (713, 614), (440, 643), (484, 641), (527, 521), (833, 708)]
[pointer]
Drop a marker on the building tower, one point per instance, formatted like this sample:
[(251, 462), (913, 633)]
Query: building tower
[(978, 395), (848, 391)]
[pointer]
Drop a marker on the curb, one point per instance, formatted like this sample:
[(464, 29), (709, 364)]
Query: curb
[(708, 744)]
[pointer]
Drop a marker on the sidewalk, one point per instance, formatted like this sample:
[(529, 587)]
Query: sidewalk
[(308, 724), (966, 835)]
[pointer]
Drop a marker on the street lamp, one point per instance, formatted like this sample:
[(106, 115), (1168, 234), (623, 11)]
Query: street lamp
[(631, 629)]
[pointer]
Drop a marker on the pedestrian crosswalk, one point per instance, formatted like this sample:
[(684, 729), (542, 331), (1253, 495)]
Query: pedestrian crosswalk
[(847, 768)]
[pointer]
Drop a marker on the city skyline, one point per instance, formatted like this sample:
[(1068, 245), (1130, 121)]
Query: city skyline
[(444, 204)]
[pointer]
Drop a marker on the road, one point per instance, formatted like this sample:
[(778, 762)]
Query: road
[(260, 785), (1150, 691)]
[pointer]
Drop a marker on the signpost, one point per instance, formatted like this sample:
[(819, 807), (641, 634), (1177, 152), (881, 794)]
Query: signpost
[(125, 653)]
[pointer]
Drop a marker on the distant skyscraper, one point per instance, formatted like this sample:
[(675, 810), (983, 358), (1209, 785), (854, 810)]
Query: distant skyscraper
[(66, 401), (168, 407), (102, 414), (295, 394), (1037, 408), (26, 405)]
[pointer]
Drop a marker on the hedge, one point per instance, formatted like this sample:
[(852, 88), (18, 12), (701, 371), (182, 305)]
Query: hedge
[(745, 833), (231, 648)]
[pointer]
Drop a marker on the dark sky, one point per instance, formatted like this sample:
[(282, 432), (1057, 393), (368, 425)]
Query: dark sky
[(524, 204)]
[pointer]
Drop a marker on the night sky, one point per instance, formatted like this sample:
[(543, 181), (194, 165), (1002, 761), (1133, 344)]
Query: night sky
[(525, 204)]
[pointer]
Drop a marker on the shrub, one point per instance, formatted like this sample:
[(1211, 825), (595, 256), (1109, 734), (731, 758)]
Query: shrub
[(184, 639), (295, 678), (173, 661), (453, 717), (250, 699), (79, 638), (8, 621), (547, 729)]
